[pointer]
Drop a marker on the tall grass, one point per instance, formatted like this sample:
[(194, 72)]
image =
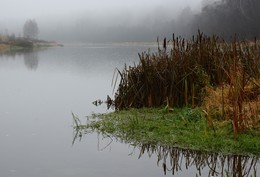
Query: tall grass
[(179, 73)]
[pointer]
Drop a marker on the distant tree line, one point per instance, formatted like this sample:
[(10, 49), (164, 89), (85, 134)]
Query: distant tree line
[(229, 17), (30, 31), (224, 18), (5, 36)]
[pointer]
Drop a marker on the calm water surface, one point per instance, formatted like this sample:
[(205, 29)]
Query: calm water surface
[(40, 89)]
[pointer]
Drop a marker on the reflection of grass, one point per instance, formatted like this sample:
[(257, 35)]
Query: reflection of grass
[(185, 128)]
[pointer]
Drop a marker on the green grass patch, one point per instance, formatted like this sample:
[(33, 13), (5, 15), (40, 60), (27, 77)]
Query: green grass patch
[(182, 127)]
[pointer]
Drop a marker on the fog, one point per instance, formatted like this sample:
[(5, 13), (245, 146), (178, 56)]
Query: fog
[(127, 21)]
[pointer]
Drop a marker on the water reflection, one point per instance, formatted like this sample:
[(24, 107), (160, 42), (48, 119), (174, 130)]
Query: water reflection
[(31, 59), (30, 56), (174, 160), (10, 54)]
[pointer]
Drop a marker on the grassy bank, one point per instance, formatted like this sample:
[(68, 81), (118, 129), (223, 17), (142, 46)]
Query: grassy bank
[(4, 47), (185, 128), (24, 43)]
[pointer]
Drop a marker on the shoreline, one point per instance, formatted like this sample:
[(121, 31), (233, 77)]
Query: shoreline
[(184, 128), (23, 43)]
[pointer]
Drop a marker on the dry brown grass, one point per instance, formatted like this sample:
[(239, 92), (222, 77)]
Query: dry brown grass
[(3, 47), (217, 104)]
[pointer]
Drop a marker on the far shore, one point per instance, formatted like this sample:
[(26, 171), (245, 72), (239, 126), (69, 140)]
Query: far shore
[(25, 43)]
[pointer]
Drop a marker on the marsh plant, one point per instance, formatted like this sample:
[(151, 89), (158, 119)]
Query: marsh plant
[(182, 71)]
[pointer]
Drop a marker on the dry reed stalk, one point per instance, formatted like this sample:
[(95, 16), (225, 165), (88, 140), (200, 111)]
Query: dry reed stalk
[(180, 75)]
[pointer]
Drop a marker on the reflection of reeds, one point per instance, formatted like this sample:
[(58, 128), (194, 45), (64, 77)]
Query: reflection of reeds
[(174, 159), (179, 75)]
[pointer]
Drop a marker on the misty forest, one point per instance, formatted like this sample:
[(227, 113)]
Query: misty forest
[(230, 17), (130, 88), (224, 18)]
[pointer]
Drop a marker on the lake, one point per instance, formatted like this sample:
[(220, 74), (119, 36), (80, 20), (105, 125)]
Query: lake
[(41, 89)]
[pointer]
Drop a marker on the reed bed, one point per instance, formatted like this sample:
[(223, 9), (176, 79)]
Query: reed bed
[(180, 72)]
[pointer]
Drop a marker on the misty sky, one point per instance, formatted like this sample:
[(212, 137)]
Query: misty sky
[(18, 9), (58, 18)]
